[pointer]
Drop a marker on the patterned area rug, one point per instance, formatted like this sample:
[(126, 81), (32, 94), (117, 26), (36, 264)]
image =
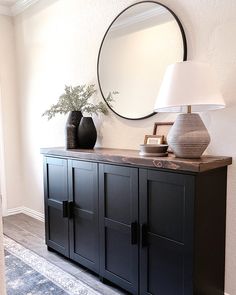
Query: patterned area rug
[(29, 274)]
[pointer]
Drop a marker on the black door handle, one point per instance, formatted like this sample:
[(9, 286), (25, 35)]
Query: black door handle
[(70, 209), (134, 233), (144, 235), (64, 209)]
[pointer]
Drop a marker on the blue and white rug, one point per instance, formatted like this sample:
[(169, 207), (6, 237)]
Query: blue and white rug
[(29, 274)]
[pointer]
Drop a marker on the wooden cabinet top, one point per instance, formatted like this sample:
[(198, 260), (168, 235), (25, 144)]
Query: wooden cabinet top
[(132, 157)]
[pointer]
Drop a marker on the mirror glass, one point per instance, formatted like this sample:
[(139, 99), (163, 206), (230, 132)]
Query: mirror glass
[(136, 49)]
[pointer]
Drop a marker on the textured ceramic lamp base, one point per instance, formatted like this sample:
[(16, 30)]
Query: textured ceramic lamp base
[(188, 137)]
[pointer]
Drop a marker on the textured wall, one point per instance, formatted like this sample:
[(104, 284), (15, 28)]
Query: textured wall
[(58, 42)]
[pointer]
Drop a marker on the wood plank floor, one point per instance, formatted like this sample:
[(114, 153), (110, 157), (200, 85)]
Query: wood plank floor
[(29, 232)]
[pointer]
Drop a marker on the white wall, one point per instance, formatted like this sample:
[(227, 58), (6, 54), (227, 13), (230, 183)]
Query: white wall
[(10, 155), (58, 42)]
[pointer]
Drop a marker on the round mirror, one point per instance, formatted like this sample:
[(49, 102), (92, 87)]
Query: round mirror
[(137, 47)]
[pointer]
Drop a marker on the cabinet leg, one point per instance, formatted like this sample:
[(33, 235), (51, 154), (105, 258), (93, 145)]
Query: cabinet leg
[(50, 249)]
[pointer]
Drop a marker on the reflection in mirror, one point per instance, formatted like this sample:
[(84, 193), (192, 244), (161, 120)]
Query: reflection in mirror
[(138, 46)]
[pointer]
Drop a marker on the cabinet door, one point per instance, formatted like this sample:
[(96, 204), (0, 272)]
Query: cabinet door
[(56, 202), (83, 192), (118, 209), (166, 229)]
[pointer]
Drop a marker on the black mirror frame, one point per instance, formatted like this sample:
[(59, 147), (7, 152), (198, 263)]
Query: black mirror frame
[(104, 37)]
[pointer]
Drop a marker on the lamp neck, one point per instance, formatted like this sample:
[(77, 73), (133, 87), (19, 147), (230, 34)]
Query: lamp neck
[(189, 109)]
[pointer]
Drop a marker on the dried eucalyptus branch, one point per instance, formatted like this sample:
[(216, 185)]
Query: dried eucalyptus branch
[(77, 99)]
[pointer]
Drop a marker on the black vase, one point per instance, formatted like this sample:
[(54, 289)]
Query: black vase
[(87, 133), (72, 125)]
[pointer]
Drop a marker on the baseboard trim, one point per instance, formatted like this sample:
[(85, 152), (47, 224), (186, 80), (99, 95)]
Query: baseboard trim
[(14, 211), (32, 213), (27, 211)]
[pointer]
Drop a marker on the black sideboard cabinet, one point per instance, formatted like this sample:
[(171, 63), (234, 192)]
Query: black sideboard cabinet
[(153, 226)]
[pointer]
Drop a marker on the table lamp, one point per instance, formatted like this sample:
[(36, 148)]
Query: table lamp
[(188, 87)]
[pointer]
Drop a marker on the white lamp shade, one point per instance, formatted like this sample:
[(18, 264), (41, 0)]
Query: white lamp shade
[(188, 83)]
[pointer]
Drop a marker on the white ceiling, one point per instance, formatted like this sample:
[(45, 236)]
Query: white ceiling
[(14, 7)]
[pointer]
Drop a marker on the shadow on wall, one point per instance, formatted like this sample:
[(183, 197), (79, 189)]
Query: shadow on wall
[(110, 135)]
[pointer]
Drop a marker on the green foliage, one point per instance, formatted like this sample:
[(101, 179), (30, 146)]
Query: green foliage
[(77, 99)]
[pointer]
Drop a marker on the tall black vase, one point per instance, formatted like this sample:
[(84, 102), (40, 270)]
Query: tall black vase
[(72, 125), (87, 133)]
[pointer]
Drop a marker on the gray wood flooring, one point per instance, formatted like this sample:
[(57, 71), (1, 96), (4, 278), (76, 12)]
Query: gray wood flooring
[(29, 232)]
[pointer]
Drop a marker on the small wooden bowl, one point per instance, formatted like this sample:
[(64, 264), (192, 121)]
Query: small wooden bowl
[(153, 148)]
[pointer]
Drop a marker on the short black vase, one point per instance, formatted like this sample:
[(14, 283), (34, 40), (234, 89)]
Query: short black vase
[(87, 133), (72, 125)]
